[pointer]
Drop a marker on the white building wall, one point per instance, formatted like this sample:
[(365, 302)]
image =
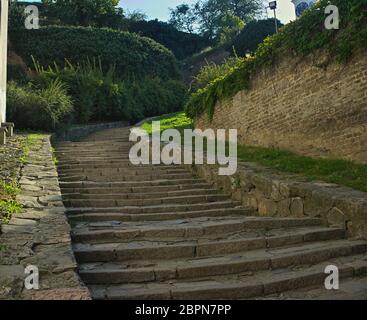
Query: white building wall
[(3, 57)]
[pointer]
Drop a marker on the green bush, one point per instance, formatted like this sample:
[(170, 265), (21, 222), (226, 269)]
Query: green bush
[(213, 71), (133, 55), (252, 35), (102, 96), (43, 108), (297, 38), (181, 43), (16, 73)]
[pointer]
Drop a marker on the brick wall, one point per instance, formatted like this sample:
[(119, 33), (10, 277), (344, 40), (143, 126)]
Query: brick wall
[(300, 106)]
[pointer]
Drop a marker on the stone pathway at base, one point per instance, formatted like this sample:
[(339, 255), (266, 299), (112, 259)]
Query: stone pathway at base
[(157, 232)]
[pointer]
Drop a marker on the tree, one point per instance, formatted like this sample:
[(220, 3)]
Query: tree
[(183, 18), (210, 16), (99, 13)]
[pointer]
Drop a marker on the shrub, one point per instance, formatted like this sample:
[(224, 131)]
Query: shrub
[(131, 54), (43, 108), (182, 44), (252, 35), (101, 96), (213, 71), (16, 73)]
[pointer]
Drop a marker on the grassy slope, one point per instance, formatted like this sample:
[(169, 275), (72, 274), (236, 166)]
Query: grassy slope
[(342, 172)]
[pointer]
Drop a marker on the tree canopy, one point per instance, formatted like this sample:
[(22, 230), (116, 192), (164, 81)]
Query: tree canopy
[(215, 19)]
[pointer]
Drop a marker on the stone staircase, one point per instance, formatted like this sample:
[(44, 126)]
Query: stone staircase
[(158, 232)]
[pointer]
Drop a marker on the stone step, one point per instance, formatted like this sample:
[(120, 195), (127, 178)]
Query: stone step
[(163, 208), (125, 177), (241, 286), (122, 170), (100, 217), (131, 195), (349, 289), (157, 250), (136, 190), (122, 165), (131, 184), (192, 228), (121, 202)]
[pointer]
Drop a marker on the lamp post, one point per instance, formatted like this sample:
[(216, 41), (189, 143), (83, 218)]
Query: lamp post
[(273, 6), (3, 57)]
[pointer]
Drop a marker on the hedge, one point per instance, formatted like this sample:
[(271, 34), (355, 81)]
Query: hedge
[(133, 55)]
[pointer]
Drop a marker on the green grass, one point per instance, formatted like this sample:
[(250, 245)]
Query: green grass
[(337, 171), (177, 121), (30, 141)]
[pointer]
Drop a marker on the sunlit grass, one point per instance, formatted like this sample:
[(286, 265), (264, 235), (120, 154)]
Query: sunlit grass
[(337, 171)]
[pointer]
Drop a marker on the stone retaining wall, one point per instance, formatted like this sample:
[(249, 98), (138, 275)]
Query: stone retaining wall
[(40, 235), (278, 194), (301, 106)]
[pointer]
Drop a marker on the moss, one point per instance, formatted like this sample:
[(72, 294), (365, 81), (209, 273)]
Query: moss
[(298, 38)]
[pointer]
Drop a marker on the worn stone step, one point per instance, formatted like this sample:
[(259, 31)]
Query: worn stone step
[(164, 208), (156, 250), (131, 184), (135, 190), (349, 289), (121, 170), (186, 199), (191, 228), (95, 217), (131, 195), (123, 165), (133, 271), (242, 286), (125, 177)]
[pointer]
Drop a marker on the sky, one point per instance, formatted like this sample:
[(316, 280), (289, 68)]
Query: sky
[(159, 9)]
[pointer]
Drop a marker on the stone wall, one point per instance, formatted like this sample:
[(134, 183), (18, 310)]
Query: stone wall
[(282, 195), (300, 106), (40, 235)]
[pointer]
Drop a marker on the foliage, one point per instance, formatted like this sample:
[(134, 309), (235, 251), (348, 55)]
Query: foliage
[(182, 44), (38, 107), (11, 188), (16, 15), (96, 13), (8, 208), (213, 71), (102, 96), (230, 28), (252, 35), (132, 54), (16, 73), (300, 37), (212, 16)]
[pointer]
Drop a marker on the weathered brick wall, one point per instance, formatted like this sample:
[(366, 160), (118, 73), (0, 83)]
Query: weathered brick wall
[(299, 106)]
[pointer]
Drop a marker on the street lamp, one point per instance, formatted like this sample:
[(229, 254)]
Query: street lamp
[(273, 6)]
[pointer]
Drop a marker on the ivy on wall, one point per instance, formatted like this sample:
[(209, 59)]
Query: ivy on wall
[(298, 38)]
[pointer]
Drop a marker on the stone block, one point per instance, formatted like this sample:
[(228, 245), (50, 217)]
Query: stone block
[(296, 207)]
